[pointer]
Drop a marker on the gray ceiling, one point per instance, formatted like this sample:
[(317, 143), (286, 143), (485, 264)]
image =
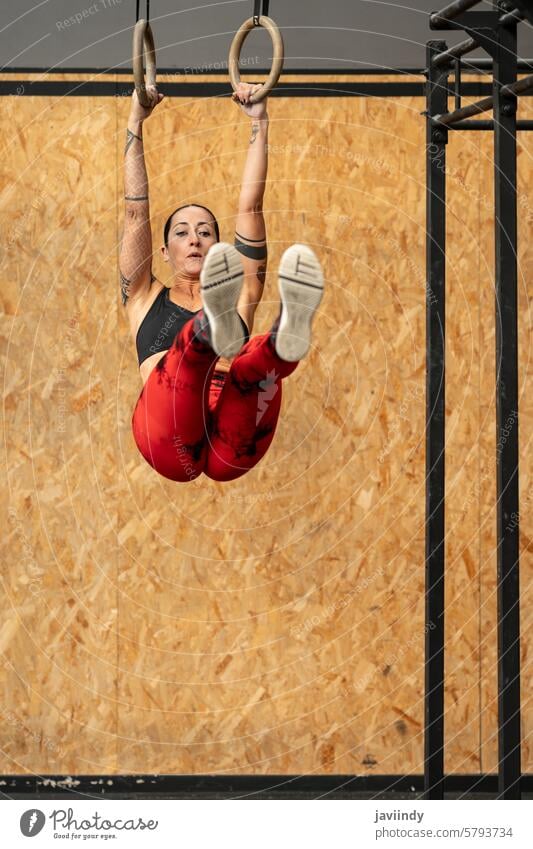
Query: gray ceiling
[(351, 34)]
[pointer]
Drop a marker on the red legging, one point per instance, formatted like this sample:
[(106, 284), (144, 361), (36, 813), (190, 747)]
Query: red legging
[(187, 421)]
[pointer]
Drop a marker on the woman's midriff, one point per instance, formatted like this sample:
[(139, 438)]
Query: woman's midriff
[(223, 365), (217, 381), (148, 365)]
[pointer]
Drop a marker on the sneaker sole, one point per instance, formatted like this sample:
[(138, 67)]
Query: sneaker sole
[(221, 280), (301, 286)]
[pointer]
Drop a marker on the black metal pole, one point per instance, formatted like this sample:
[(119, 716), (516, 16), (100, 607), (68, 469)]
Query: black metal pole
[(515, 16), (451, 11), (466, 112), (486, 64), (507, 502), (482, 65), (487, 103), (457, 83), (488, 125), (526, 7), (520, 86), (436, 137), (456, 52)]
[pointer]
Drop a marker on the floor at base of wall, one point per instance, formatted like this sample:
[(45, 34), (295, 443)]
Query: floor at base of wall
[(294, 796)]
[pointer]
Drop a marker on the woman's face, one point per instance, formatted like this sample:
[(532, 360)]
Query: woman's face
[(190, 236)]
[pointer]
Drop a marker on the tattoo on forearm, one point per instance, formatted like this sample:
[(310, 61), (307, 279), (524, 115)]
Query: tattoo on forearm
[(124, 288), (261, 274), (129, 140), (138, 197), (255, 130)]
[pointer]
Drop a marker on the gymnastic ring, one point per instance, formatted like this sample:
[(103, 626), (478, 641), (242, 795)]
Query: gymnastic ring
[(143, 49), (277, 61)]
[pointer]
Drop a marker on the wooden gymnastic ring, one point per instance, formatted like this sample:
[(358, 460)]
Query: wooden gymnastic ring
[(143, 49), (277, 61)]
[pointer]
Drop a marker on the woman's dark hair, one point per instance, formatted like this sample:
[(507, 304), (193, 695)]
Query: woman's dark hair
[(185, 205)]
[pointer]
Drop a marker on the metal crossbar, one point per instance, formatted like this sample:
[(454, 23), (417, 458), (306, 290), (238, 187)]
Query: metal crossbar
[(452, 11), (449, 118)]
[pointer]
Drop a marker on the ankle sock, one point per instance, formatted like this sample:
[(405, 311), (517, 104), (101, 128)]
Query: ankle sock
[(273, 332), (200, 326), (244, 330)]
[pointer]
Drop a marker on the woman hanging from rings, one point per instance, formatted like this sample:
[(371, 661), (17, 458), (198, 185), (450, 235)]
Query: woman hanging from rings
[(211, 395)]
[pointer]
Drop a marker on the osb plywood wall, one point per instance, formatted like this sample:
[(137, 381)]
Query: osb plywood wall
[(274, 624)]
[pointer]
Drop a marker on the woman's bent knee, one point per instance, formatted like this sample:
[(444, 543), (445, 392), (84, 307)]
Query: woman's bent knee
[(168, 459), (177, 471)]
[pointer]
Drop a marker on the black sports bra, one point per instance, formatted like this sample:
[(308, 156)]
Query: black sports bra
[(160, 325)]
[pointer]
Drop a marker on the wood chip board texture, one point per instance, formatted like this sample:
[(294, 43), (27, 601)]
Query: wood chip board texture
[(274, 624)]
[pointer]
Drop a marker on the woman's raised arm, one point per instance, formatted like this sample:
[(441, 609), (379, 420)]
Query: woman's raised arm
[(250, 232), (135, 258)]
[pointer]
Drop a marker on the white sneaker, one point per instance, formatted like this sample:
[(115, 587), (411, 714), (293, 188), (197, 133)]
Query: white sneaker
[(221, 280), (301, 286)]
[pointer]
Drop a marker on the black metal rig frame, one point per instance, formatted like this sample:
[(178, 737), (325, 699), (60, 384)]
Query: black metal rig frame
[(494, 31)]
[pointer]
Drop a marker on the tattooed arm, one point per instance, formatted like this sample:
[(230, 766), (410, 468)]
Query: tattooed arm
[(255, 167), (250, 232), (135, 259)]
